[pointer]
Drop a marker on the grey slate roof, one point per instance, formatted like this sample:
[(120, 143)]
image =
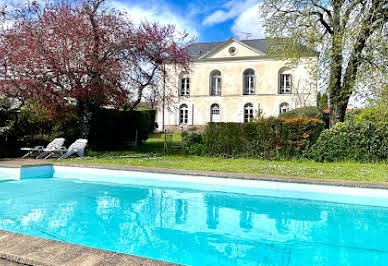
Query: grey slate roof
[(198, 49)]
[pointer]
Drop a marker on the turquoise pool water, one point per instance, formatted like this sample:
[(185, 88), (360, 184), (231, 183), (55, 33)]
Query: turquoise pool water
[(196, 227)]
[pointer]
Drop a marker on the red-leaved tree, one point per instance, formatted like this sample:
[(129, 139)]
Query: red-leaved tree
[(68, 52)]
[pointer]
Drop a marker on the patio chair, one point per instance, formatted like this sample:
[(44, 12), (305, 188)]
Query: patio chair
[(38, 150), (77, 147)]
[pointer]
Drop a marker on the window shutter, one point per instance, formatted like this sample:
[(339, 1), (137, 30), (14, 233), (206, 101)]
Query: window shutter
[(190, 114), (256, 109), (176, 115), (241, 113)]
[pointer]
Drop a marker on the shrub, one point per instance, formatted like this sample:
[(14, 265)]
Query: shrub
[(359, 141), (309, 112), (115, 129), (374, 114), (266, 138), (352, 115), (33, 125), (193, 142)]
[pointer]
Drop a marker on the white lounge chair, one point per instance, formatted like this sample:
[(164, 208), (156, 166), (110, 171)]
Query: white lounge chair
[(38, 150), (77, 147)]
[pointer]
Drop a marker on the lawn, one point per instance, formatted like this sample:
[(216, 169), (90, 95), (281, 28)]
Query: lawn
[(151, 155)]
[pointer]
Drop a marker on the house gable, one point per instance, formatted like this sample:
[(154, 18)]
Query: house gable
[(225, 50)]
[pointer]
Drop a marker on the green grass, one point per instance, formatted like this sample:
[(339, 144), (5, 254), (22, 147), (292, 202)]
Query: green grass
[(302, 168)]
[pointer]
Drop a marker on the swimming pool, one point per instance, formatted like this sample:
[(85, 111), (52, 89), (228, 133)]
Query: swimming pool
[(198, 220)]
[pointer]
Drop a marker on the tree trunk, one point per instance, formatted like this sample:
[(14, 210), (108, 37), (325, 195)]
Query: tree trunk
[(337, 113), (85, 113)]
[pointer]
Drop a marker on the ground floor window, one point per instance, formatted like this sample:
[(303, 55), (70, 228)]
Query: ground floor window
[(248, 112), (284, 107), (183, 114), (215, 113)]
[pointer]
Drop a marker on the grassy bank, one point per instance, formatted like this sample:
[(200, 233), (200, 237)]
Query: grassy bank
[(151, 155)]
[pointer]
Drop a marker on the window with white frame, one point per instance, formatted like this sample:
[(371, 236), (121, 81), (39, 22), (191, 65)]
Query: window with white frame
[(184, 85), (215, 113), (285, 83), (215, 83), (284, 107), (248, 112), (183, 114), (249, 82)]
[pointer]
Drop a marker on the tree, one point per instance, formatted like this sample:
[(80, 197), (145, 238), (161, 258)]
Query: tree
[(322, 100), (80, 52), (348, 33)]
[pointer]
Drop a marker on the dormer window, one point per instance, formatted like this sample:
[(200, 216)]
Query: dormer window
[(184, 85), (249, 82), (215, 83)]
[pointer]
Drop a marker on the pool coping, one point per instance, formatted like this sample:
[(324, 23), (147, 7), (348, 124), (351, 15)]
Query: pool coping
[(30, 250), (246, 176)]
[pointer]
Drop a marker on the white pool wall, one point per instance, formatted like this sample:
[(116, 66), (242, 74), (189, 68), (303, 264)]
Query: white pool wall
[(350, 195)]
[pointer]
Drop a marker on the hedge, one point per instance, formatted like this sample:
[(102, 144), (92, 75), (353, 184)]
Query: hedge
[(114, 129), (266, 138), (356, 141), (110, 129), (309, 112)]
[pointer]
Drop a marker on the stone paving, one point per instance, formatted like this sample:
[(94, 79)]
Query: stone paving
[(28, 250)]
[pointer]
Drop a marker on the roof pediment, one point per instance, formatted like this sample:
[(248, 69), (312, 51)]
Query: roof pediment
[(232, 48)]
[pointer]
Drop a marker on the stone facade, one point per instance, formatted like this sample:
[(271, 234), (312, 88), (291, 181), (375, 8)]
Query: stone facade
[(268, 96)]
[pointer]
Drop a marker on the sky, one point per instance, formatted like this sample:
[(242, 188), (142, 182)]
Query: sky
[(215, 20)]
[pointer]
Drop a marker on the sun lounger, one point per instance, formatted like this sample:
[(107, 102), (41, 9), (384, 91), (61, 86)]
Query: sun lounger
[(77, 147), (38, 150)]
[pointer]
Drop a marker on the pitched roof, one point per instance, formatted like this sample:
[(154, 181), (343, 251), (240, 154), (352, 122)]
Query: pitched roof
[(196, 50)]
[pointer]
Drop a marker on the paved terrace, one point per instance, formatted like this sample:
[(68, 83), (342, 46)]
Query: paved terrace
[(17, 249)]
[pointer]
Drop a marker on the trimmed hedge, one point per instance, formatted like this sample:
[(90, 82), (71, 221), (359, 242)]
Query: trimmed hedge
[(357, 141), (114, 129), (110, 129), (310, 111), (266, 138)]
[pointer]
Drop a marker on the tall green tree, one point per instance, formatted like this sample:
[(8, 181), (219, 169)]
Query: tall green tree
[(351, 36)]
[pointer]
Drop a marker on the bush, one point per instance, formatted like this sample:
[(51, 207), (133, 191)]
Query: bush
[(193, 142), (359, 141), (114, 129), (266, 138), (33, 126), (374, 114), (309, 112)]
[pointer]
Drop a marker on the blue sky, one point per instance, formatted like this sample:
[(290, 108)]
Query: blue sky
[(215, 20)]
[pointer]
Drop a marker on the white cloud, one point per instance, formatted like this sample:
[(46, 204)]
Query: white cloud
[(248, 22), (161, 14), (245, 15)]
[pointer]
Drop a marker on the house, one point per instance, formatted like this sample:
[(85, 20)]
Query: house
[(234, 81)]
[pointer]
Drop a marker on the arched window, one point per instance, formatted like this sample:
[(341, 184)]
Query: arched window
[(284, 107), (285, 81), (183, 114), (215, 113), (184, 84), (215, 83), (248, 112), (249, 82)]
